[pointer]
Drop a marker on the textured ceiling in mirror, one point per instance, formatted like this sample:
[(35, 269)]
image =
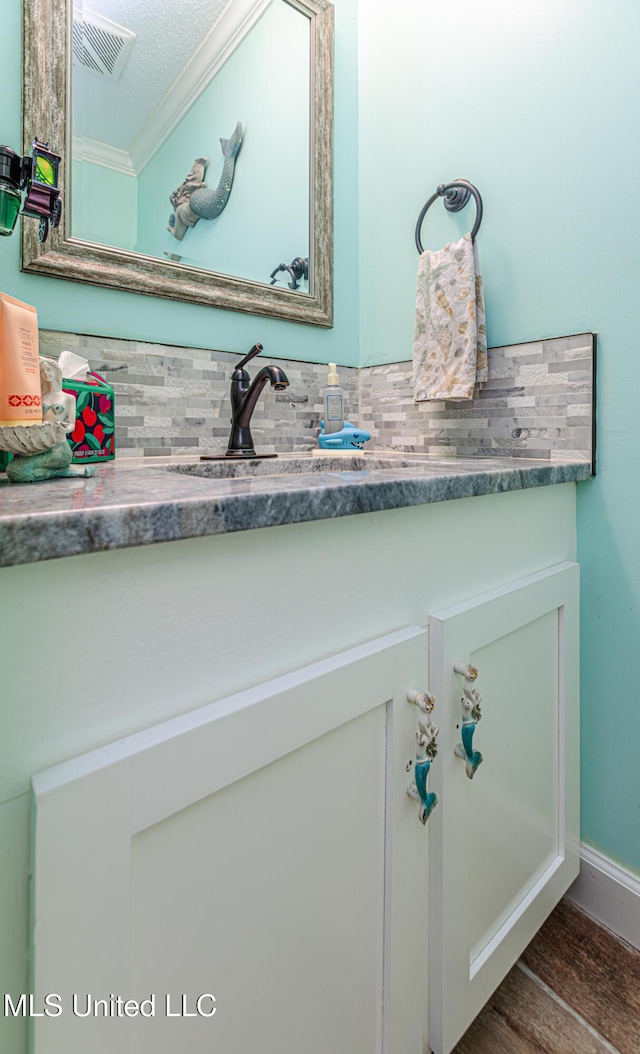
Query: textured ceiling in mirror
[(175, 40), (115, 112)]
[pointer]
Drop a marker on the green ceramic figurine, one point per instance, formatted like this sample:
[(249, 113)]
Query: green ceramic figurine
[(42, 451)]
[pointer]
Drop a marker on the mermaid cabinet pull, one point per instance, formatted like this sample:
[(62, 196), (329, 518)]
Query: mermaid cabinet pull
[(471, 714), (426, 751)]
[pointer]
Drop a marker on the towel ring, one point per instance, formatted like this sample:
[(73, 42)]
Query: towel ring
[(456, 196)]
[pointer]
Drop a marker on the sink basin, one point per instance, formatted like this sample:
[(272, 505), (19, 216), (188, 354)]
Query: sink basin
[(293, 464)]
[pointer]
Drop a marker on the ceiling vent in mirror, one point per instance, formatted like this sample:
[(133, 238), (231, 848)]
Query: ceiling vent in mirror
[(100, 44)]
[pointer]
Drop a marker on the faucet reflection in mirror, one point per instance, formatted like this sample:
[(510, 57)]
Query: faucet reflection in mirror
[(298, 268)]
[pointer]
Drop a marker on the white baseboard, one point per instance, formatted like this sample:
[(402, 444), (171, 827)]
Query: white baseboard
[(609, 893)]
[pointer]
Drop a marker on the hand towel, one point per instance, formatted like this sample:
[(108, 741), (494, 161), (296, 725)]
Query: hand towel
[(450, 341)]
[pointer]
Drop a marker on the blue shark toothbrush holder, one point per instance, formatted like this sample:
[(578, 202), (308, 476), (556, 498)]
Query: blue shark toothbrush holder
[(348, 438)]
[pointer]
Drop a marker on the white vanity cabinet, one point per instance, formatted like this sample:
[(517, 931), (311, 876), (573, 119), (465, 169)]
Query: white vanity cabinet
[(219, 773), (261, 852)]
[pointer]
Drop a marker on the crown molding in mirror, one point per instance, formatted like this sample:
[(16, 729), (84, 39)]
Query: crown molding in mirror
[(233, 24), (47, 65)]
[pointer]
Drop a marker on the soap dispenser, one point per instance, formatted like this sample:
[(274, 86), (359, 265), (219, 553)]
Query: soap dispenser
[(333, 403)]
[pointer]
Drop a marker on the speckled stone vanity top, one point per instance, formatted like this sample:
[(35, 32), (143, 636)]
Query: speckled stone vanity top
[(138, 502)]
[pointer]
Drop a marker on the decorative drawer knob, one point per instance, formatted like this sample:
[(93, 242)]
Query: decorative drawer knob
[(471, 714), (426, 751)]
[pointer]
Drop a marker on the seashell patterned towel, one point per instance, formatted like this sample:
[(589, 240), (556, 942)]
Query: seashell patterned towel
[(450, 341)]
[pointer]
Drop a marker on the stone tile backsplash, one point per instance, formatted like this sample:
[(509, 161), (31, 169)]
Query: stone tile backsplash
[(536, 403), (172, 400)]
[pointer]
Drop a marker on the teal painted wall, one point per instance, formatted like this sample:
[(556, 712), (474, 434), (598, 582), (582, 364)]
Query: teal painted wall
[(85, 309), (537, 104), (115, 225), (264, 84)]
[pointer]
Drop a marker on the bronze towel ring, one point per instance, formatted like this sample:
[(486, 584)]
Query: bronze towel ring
[(456, 196)]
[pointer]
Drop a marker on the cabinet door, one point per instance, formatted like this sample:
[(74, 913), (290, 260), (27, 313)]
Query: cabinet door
[(238, 852), (504, 845)]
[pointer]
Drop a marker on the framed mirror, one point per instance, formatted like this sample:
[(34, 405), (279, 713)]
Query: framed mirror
[(197, 144)]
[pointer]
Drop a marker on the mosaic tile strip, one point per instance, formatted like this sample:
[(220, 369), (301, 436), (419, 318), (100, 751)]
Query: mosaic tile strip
[(537, 402), (172, 400)]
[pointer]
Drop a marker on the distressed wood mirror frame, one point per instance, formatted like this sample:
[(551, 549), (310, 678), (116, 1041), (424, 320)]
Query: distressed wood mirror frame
[(47, 67)]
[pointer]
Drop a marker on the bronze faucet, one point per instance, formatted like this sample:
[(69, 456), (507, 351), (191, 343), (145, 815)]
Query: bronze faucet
[(244, 396)]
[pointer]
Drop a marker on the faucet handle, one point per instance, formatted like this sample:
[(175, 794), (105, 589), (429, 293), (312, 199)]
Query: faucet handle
[(255, 350)]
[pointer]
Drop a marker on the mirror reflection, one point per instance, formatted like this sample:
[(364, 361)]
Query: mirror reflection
[(190, 134)]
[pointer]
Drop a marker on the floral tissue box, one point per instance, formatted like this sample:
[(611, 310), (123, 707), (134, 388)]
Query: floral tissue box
[(93, 437)]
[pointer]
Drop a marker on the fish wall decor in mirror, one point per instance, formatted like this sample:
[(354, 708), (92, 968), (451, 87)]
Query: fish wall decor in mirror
[(193, 200)]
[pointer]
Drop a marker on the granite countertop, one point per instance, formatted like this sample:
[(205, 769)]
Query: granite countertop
[(139, 502)]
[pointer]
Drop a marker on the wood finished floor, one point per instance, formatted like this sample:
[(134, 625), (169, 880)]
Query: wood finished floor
[(576, 990)]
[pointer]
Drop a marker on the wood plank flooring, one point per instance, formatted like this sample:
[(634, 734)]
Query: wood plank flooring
[(576, 990)]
